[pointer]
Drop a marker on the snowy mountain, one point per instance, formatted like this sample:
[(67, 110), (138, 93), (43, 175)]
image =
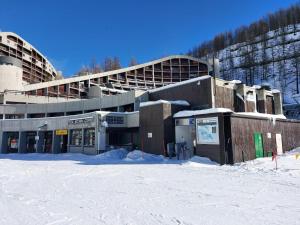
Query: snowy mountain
[(273, 58)]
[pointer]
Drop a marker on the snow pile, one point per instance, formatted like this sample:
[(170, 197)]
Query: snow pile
[(140, 156), (197, 161), (189, 113), (112, 155), (177, 102)]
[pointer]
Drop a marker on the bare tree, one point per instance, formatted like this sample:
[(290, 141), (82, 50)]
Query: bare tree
[(95, 67), (83, 71), (116, 63), (108, 64), (59, 75), (133, 62)]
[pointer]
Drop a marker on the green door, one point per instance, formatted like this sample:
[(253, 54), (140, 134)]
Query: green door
[(258, 142)]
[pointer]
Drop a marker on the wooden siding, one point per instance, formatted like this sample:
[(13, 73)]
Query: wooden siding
[(242, 134), (198, 93)]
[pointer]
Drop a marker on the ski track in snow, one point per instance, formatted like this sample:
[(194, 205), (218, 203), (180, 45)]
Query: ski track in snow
[(79, 189)]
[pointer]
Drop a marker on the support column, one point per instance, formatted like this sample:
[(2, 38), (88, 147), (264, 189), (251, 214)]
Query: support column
[(101, 138), (278, 103), (56, 143), (4, 142), (40, 142), (22, 145), (69, 140)]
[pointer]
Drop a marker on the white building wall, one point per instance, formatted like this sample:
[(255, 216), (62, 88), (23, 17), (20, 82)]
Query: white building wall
[(10, 78)]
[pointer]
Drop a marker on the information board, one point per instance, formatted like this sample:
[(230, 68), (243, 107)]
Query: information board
[(207, 130)]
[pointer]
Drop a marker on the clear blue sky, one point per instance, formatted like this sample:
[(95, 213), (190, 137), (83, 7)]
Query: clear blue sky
[(71, 33)]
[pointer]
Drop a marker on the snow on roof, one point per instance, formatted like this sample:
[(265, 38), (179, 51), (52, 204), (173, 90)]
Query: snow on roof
[(177, 102), (188, 113), (264, 115), (275, 91), (256, 86), (235, 82), (180, 83)]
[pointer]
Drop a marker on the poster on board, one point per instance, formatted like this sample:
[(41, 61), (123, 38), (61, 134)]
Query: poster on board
[(207, 130)]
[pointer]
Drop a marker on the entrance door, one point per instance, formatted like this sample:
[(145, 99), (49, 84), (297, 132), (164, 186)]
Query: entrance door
[(258, 142), (31, 142), (48, 142), (64, 143), (228, 141), (279, 144)]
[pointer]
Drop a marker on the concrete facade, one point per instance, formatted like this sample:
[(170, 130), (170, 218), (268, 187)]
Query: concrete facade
[(28, 135), (35, 67), (10, 78)]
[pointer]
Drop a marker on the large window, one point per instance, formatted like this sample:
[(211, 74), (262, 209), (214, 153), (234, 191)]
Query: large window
[(89, 137), (207, 130), (114, 119), (76, 137)]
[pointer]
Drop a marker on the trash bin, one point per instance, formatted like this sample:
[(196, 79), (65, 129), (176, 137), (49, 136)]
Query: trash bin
[(170, 149), (180, 149)]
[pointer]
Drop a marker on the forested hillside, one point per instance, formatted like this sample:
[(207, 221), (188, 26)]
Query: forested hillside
[(266, 51)]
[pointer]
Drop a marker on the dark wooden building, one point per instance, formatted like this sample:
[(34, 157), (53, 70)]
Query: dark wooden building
[(228, 137), (204, 93)]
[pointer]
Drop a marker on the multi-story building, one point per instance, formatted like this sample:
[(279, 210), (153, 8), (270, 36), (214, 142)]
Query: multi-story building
[(147, 105), (36, 68), (145, 76)]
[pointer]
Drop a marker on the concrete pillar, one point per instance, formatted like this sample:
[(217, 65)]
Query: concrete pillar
[(69, 140), (82, 140), (4, 142), (22, 145), (278, 103), (55, 143), (40, 142), (101, 139)]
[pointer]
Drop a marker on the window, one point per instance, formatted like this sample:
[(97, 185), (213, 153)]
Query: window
[(114, 120), (89, 137), (76, 137)]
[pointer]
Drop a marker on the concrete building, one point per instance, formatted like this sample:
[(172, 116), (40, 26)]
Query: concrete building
[(88, 133), (147, 106), (14, 50)]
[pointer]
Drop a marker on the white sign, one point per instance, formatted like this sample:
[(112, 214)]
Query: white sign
[(269, 135), (207, 130), (149, 135), (279, 144)]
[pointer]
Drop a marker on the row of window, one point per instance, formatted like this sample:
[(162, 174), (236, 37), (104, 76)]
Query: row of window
[(115, 119), (88, 138)]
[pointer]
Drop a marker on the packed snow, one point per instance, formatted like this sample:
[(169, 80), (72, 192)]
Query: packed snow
[(118, 187)]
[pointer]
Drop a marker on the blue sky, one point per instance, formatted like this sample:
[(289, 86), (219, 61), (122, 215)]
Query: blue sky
[(72, 33)]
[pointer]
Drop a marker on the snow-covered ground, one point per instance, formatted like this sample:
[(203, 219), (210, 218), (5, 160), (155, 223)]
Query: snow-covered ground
[(116, 188)]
